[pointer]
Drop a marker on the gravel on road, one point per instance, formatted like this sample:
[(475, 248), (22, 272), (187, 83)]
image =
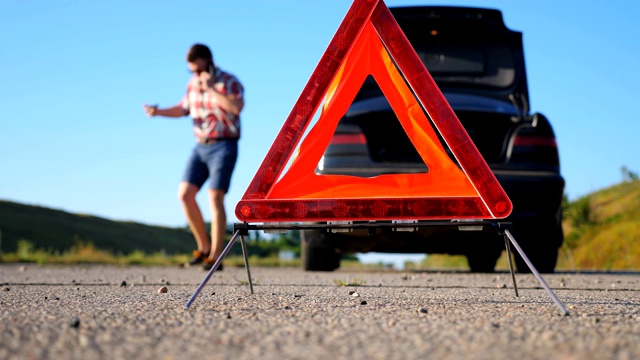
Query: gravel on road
[(108, 312)]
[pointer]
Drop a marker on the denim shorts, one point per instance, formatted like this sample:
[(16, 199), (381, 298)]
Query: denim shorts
[(214, 162)]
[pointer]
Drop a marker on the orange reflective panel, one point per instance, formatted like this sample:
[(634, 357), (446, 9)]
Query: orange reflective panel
[(369, 57), (370, 42)]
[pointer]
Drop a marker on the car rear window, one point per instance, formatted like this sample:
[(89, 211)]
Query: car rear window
[(464, 51)]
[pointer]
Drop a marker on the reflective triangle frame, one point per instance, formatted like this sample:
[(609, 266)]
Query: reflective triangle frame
[(300, 195)]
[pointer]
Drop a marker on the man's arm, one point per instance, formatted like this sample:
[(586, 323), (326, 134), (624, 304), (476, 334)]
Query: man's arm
[(229, 102), (174, 112)]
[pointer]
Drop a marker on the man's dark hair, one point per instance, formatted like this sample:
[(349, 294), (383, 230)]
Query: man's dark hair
[(199, 51)]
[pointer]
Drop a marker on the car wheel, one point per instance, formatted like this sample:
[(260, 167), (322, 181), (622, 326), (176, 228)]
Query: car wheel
[(540, 244), (483, 261), (317, 252)]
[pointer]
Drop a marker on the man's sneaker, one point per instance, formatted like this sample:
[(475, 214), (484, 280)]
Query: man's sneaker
[(207, 264), (198, 257)]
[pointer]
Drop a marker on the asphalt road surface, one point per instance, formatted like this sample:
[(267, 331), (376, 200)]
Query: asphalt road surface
[(87, 312)]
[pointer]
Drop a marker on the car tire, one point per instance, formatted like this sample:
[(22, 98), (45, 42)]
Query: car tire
[(483, 261), (317, 253), (540, 244)]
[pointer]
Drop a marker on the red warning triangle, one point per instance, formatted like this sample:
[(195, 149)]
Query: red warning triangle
[(368, 42)]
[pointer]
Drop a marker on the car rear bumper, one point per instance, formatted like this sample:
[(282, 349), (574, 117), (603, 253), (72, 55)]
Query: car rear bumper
[(535, 195), (536, 198)]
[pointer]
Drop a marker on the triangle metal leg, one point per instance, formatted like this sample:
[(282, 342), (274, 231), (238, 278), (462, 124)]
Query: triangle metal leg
[(513, 275), (213, 269), (535, 272), (246, 262)]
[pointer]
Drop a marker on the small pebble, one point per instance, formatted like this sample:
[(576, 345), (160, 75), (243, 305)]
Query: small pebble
[(354, 294), (123, 284), (287, 307), (163, 290), (363, 302), (74, 322), (6, 289), (423, 311), (503, 286), (297, 296)]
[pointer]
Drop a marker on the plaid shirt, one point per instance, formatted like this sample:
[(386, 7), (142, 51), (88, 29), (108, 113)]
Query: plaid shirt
[(210, 120)]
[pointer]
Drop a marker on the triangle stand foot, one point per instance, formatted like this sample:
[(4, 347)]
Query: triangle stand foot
[(215, 266), (535, 272)]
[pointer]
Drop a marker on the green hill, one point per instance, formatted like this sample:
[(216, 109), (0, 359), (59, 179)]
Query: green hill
[(602, 229), (59, 231)]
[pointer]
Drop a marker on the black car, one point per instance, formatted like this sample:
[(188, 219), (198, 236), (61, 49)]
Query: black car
[(478, 64)]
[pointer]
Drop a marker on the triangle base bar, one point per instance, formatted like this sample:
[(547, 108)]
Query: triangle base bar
[(357, 209)]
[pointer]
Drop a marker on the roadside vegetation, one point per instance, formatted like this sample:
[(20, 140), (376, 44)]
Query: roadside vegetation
[(263, 253), (602, 231)]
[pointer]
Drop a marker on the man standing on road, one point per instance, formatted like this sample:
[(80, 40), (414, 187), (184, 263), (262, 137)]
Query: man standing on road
[(214, 100)]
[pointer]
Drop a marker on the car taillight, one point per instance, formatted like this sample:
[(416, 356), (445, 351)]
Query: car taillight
[(539, 149), (529, 140), (348, 139)]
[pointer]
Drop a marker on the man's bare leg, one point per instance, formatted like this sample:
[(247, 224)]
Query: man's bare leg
[(187, 195), (218, 222)]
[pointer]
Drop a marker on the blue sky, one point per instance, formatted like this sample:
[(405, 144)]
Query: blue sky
[(74, 73)]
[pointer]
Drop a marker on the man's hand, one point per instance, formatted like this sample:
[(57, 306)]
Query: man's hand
[(173, 112), (206, 81), (151, 110)]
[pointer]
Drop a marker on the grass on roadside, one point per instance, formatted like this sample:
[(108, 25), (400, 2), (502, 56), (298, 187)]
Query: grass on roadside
[(355, 282), (87, 253)]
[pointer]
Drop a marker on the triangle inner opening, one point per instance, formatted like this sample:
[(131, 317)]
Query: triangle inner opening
[(370, 140), (438, 176)]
